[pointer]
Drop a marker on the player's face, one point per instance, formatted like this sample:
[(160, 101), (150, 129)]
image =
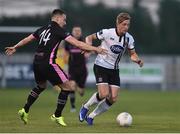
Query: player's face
[(76, 32), (123, 27), (62, 20)]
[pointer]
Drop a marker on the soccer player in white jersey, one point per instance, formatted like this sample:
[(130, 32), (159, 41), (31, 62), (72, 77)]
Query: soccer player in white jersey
[(106, 67)]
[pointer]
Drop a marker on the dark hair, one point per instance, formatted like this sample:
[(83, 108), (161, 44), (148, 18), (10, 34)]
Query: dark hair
[(57, 12)]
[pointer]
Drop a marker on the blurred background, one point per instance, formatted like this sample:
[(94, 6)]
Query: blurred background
[(155, 26)]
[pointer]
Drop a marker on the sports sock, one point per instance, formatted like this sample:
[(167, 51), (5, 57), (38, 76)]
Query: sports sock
[(103, 106), (62, 99), (93, 100), (72, 99), (34, 94)]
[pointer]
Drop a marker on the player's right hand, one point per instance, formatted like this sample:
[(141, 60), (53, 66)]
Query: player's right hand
[(141, 63), (10, 50)]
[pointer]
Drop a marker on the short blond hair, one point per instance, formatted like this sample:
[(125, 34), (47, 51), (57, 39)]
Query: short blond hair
[(122, 17)]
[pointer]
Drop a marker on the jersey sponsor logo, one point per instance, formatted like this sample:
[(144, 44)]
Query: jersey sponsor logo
[(116, 49)]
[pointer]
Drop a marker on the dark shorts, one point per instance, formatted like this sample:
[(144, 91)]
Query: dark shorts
[(79, 75), (105, 75), (51, 72)]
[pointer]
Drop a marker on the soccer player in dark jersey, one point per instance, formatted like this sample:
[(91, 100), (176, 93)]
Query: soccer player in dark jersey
[(76, 66), (44, 66)]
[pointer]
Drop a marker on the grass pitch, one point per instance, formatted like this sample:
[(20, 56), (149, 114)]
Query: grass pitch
[(152, 111)]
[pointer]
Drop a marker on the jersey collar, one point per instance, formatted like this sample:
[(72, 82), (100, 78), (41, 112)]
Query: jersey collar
[(118, 34)]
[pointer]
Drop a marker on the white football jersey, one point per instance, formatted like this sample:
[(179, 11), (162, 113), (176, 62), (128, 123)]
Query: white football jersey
[(116, 46)]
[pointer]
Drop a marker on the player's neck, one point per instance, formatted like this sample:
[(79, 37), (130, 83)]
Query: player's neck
[(119, 33)]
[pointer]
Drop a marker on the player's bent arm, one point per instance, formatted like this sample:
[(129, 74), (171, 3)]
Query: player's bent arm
[(11, 50), (89, 39), (85, 46), (134, 57)]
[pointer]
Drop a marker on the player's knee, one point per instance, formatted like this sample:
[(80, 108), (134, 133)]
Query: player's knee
[(113, 99), (68, 86), (103, 95), (42, 85), (72, 85), (41, 88)]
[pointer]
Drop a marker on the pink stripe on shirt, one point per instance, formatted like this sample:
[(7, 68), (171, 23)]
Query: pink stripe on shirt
[(60, 73)]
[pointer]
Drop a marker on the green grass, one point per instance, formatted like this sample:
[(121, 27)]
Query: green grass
[(152, 111)]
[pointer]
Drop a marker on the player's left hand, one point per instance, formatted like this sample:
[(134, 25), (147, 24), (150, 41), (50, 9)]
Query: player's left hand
[(10, 50)]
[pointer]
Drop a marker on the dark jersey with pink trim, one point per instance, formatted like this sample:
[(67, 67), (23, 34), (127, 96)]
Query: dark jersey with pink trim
[(76, 58), (49, 38)]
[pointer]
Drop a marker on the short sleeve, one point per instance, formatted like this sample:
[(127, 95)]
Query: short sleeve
[(102, 34), (131, 43), (37, 33)]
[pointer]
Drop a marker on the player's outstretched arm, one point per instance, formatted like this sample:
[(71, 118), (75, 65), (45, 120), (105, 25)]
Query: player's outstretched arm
[(85, 46), (89, 39), (12, 50), (135, 58)]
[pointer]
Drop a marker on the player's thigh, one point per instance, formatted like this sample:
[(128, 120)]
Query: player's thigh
[(39, 74), (114, 78), (71, 73), (101, 75), (56, 75), (103, 90), (81, 78)]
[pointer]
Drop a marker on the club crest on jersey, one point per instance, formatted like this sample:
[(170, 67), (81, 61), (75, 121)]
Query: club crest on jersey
[(116, 49), (100, 79)]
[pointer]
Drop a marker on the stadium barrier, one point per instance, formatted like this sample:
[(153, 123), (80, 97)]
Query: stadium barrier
[(158, 72)]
